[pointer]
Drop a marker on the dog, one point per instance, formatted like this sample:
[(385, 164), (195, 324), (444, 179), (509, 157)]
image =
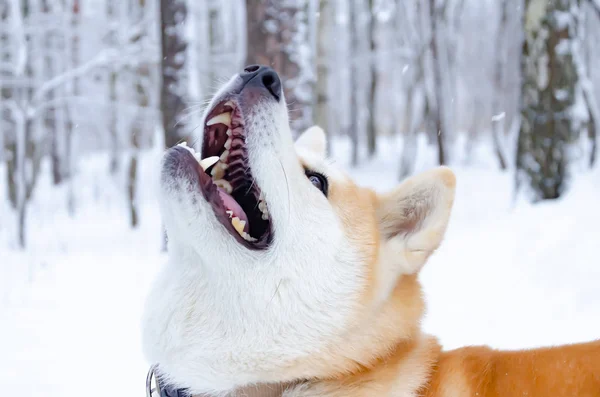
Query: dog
[(285, 278)]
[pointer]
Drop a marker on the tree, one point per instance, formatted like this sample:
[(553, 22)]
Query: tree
[(321, 103), (498, 113), (371, 125), (279, 35), (173, 89), (549, 93)]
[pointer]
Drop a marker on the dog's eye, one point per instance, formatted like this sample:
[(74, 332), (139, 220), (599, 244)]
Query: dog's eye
[(318, 180)]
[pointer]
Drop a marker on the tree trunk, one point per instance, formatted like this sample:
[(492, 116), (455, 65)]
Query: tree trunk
[(354, 108), (498, 112), (322, 104), (173, 89), (548, 93), (438, 107), (409, 147), (132, 182), (371, 125), (113, 124), (276, 32)]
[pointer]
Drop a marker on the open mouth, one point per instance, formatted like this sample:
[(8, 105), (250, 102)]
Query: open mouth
[(226, 179)]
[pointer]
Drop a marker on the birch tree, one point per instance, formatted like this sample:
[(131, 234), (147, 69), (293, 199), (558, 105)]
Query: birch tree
[(550, 84)]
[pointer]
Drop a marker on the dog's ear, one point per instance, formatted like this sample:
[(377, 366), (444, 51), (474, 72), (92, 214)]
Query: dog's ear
[(413, 217), (313, 140)]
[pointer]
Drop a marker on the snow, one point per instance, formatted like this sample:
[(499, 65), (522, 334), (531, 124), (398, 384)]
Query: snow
[(509, 274)]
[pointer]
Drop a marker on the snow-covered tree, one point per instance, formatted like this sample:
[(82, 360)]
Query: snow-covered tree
[(551, 116), (174, 89)]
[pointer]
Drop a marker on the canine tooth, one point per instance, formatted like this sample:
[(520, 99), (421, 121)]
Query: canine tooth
[(217, 172), (265, 216), (223, 184), (229, 213), (229, 103), (224, 155), (223, 118), (209, 161), (228, 143), (229, 133), (184, 144), (238, 225), (262, 206)]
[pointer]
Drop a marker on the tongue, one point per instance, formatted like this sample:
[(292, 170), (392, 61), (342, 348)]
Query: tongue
[(233, 206)]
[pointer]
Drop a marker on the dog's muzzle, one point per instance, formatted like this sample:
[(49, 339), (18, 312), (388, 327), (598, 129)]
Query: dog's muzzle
[(155, 388)]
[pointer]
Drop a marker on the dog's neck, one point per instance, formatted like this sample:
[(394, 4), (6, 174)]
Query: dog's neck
[(262, 390), (407, 371)]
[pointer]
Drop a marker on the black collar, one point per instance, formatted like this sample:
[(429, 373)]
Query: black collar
[(160, 388)]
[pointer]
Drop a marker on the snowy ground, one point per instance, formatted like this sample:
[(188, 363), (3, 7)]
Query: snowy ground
[(508, 275)]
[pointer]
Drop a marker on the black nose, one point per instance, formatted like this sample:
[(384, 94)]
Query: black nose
[(262, 77)]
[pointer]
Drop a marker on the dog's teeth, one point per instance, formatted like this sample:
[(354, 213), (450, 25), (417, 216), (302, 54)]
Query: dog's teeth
[(184, 144), (262, 206), (208, 162), (223, 118), (238, 225), (230, 104), (223, 184), (217, 172), (229, 133), (225, 155), (229, 213), (228, 143), (247, 237)]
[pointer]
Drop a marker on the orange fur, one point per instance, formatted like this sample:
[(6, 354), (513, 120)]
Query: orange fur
[(384, 352), (563, 371)]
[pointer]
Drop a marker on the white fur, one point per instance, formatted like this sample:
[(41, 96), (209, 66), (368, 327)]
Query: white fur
[(220, 316)]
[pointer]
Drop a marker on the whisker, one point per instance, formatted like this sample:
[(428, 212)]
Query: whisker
[(287, 185)]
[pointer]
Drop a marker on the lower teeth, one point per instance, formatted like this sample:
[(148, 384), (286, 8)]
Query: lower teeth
[(223, 184), (218, 172)]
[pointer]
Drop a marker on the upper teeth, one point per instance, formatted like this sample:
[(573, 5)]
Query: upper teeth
[(218, 173), (225, 155), (208, 162), (262, 206), (223, 118)]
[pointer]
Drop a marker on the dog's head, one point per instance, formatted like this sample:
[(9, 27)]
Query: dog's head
[(281, 268)]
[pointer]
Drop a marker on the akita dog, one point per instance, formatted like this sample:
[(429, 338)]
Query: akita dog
[(285, 278)]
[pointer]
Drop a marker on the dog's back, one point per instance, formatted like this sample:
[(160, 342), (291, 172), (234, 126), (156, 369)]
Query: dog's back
[(563, 371)]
